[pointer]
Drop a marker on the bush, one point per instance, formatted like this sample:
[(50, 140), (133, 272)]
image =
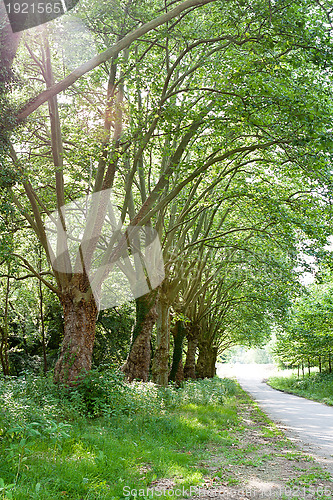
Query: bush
[(100, 394), (317, 386), (106, 393)]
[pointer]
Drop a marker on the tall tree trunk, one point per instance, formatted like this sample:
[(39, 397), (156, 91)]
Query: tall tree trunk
[(41, 311), (203, 360), (177, 369), (42, 327), (138, 361), (319, 362), (206, 364), (9, 41), (4, 331), (160, 368), (192, 344), (180, 373), (78, 343), (3, 352), (329, 362)]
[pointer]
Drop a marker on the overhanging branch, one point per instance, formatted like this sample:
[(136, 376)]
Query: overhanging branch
[(108, 54)]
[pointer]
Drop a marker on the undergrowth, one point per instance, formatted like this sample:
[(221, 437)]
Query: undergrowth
[(92, 441)]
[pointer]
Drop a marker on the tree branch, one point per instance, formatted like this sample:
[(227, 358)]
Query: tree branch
[(108, 54)]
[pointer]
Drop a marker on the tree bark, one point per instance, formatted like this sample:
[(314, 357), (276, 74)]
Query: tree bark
[(205, 367), (45, 368), (41, 312), (4, 352), (9, 41), (78, 343), (138, 361), (177, 369), (192, 344), (160, 368), (4, 331)]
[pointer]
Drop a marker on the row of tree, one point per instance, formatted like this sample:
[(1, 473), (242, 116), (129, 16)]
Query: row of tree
[(306, 339), (210, 122)]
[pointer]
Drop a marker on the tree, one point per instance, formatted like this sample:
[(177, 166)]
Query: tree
[(306, 337), (229, 270), (8, 46), (208, 94), (80, 309)]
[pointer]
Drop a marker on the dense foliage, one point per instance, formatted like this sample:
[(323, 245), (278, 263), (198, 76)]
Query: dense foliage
[(210, 121), (306, 339)]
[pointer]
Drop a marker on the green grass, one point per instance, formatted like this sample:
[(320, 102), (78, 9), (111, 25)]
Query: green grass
[(91, 443), (317, 386)]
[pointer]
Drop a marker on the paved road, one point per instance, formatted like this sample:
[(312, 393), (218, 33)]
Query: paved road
[(308, 422)]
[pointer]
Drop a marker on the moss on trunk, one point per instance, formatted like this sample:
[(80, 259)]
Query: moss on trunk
[(177, 369), (192, 335)]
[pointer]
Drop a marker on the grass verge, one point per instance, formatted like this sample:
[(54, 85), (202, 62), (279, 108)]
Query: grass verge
[(110, 440), (317, 386)]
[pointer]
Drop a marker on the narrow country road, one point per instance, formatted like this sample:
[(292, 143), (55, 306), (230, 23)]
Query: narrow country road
[(307, 422)]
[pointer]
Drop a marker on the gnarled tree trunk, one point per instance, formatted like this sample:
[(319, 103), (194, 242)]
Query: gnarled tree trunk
[(206, 364), (193, 331), (78, 343), (138, 361)]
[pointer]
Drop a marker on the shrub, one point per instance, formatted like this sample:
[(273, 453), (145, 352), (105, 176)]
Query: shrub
[(101, 394)]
